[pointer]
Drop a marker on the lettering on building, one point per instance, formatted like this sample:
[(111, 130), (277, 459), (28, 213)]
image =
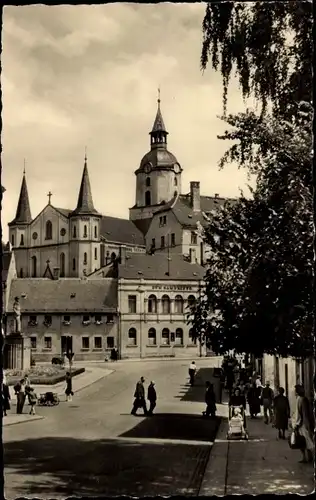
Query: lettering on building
[(178, 288)]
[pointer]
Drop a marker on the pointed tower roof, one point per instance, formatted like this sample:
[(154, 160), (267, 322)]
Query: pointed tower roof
[(158, 125), (23, 211), (85, 203)]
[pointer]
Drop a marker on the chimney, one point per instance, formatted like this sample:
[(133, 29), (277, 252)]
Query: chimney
[(56, 273), (123, 255), (216, 195), (192, 256), (195, 196)]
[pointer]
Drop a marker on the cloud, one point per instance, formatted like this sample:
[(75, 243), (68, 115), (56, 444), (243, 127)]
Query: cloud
[(76, 76)]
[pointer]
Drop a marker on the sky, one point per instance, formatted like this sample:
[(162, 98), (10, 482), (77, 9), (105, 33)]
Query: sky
[(87, 76)]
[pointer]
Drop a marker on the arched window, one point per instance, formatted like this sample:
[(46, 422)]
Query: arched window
[(62, 265), (95, 231), (22, 240), (49, 230), (147, 198), (113, 256), (165, 301), (132, 336), (12, 240), (73, 264), (148, 181), (192, 338), (95, 254), (152, 304), (85, 258), (191, 300), (179, 336), (178, 304), (74, 232), (152, 340), (165, 336), (85, 233), (34, 266), (175, 181)]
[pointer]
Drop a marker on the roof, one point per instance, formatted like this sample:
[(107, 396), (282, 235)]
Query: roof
[(45, 295), (6, 260), (181, 207), (85, 203), (121, 231), (23, 211), (155, 267), (158, 157), (158, 125)]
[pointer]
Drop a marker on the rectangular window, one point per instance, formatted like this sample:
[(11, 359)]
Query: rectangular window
[(153, 243), (95, 254), (109, 342), (132, 304), (48, 342), (98, 318), (193, 238), (47, 320), (32, 320), (98, 342), (67, 318), (85, 343), (22, 240), (160, 221), (173, 239), (86, 318), (95, 231), (164, 220), (33, 342), (110, 318), (162, 242)]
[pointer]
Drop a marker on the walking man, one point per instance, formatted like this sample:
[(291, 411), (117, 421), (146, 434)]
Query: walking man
[(139, 396), (192, 371), (210, 400), (152, 397), (267, 401)]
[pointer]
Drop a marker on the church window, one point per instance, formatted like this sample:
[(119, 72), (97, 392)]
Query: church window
[(175, 181), (85, 258), (12, 240), (164, 220), (173, 239), (73, 264), (22, 240), (162, 244), (95, 231), (49, 230), (193, 238), (74, 232), (62, 231), (62, 265), (34, 266), (85, 233), (147, 198), (148, 182), (95, 254), (34, 236)]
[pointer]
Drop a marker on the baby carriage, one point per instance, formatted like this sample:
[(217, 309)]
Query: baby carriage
[(48, 399), (237, 425)]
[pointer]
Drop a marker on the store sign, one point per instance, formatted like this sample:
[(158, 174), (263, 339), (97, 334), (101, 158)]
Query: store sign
[(178, 288)]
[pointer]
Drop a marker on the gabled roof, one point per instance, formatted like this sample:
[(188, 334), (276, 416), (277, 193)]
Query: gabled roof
[(64, 295), (85, 203), (155, 267), (23, 211), (113, 229)]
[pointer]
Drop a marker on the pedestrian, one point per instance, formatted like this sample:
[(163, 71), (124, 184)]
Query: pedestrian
[(139, 396), (27, 387), (281, 409), (230, 380), (19, 390), (237, 399), (253, 396), (32, 399), (192, 372), (152, 397), (267, 397), (210, 400), (258, 381), (113, 354), (68, 391), (304, 423), (5, 396)]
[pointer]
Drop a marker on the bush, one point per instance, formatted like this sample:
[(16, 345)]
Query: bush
[(42, 378)]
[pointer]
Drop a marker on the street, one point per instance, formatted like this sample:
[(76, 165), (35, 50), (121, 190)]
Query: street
[(93, 446)]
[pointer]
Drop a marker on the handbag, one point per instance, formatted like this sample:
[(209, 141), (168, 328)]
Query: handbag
[(296, 440)]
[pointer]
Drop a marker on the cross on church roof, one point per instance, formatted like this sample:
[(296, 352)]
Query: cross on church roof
[(49, 194)]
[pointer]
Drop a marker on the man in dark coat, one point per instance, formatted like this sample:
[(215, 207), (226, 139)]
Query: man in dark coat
[(139, 396), (282, 412), (152, 397), (210, 400)]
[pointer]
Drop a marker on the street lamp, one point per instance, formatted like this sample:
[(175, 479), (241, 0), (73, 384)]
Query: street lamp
[(141, 290)]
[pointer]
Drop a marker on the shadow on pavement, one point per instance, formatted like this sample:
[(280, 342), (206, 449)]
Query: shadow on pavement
[(62, 467), (196, 393), (175, 426)]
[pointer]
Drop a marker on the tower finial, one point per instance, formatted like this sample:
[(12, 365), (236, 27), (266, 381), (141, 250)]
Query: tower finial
[(24, 163), (158, 100), (85, 155)]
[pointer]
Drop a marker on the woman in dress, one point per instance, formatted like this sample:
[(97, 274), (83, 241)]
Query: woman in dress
[(5, 396), (281, 413), (253, 396), (304, 423)]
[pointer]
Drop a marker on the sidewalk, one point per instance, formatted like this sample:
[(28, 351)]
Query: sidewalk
[(264, 464)]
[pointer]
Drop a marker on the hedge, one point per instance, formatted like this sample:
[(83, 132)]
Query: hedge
[(50, 380)]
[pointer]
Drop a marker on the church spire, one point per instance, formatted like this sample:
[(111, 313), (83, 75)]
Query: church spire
[(158, 133), (85, 203), (23, 211)]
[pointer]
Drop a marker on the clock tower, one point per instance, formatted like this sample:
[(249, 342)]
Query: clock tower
[(158, 178)]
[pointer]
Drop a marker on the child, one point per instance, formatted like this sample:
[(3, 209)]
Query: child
[(32, 399), (237, 420)]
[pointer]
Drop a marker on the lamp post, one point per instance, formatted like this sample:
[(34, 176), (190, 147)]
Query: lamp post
[(141, 291)]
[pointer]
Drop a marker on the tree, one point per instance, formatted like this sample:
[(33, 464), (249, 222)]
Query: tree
[(269, 44), (259, 273)]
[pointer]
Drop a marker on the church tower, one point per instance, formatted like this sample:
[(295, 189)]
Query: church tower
[(19, 230), (158, 178), (84, 232)]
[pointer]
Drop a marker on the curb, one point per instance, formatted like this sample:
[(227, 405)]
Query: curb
[(38, 417), (215, 476)]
